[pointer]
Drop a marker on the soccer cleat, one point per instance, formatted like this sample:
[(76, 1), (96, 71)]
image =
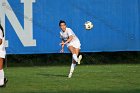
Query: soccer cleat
[(79, 59), (5, 81), (70, 75)]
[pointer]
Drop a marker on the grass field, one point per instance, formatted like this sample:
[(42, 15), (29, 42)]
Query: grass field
[(86, 79)]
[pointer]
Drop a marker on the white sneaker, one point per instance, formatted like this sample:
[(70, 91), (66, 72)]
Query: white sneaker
[(79, 59), (70, 75)]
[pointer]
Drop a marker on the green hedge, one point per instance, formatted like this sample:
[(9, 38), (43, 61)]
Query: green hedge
[(65, 59)]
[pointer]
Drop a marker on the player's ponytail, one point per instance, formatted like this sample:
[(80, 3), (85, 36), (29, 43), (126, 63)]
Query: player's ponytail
[(2, 29)]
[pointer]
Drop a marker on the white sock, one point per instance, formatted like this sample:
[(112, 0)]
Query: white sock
[(72, 67), (74, 56), (1, 77)]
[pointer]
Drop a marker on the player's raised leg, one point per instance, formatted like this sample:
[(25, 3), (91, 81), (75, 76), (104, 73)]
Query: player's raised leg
[(77, 50), (75, 53)]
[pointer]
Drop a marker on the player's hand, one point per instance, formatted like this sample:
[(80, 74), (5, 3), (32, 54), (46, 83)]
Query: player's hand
[(62, 51), (62, 43)]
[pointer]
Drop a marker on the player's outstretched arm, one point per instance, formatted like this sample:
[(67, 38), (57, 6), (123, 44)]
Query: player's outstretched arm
[(62, 47)]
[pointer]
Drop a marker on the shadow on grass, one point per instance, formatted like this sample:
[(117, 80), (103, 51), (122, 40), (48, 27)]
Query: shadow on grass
[(52, 75)]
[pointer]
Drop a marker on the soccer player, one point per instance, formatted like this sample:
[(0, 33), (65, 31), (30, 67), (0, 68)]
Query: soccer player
[(72, 42), (3, 80)]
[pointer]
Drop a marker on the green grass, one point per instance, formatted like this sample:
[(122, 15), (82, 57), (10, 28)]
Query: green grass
[(86, 79)]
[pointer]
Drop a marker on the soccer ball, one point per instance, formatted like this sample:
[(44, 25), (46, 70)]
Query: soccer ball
[(88, 25)]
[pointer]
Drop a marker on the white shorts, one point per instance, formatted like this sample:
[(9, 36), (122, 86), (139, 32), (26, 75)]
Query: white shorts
[(2, 54), (75, 44)]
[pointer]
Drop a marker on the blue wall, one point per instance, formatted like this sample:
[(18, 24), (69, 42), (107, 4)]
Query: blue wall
[(116, 25)]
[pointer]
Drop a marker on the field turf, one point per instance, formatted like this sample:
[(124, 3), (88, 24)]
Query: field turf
[(122, 78)]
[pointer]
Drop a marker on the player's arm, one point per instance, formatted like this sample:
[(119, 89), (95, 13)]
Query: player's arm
[(1, 37), (62, 47), (70, 38), (0, 41)]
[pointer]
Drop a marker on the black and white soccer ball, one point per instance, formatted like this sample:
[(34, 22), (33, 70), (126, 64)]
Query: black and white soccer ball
[(88, 25)]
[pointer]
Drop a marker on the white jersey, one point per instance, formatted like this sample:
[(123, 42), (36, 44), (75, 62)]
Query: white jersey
[(2, 46), (65, 36)]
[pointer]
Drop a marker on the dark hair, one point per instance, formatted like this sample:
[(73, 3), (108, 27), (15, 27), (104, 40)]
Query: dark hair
[(61, 21), (2, 29)]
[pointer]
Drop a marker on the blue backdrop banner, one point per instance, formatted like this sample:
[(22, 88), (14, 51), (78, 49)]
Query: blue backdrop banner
[(31, 26)]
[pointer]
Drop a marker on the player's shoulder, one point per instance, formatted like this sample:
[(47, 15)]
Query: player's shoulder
[(68, 29)]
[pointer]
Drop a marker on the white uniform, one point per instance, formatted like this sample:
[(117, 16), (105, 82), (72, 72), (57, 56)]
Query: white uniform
[(2, 46), (74, 42)]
